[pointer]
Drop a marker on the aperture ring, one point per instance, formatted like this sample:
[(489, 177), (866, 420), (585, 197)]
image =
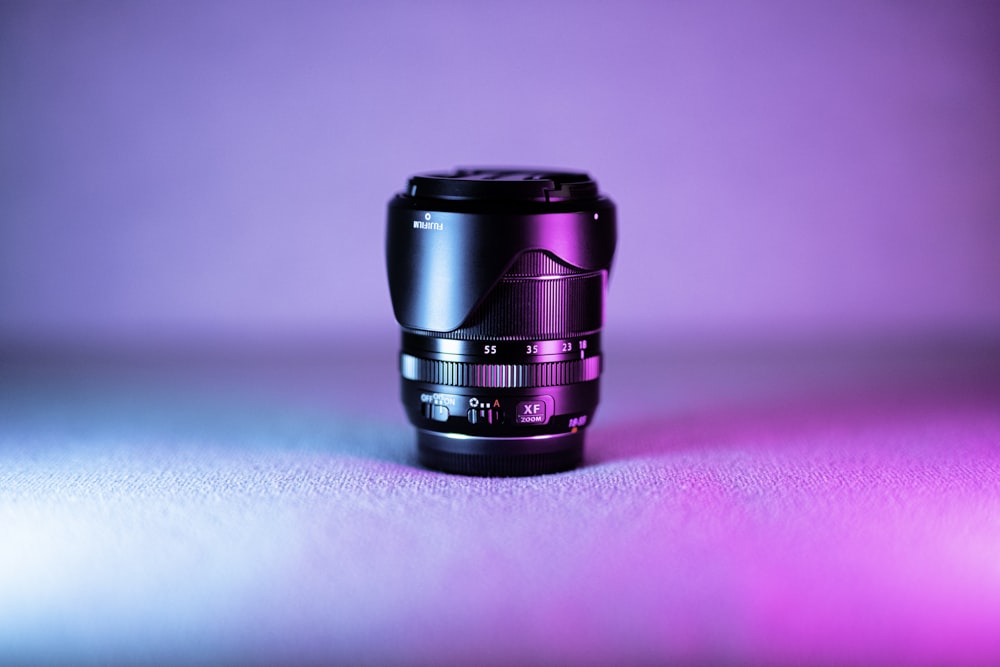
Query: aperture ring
[(500, 376)]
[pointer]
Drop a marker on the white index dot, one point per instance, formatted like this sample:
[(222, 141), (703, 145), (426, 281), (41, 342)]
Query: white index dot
[(427, 216), (596, 216)]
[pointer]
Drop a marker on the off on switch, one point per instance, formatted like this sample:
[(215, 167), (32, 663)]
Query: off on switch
[(438, 413)]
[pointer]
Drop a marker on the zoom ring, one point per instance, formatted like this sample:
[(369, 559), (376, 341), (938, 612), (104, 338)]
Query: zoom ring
[(497, 376), (526, 308)]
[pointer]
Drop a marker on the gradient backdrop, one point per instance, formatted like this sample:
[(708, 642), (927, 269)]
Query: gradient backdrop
[(786, 172), (186, 169)]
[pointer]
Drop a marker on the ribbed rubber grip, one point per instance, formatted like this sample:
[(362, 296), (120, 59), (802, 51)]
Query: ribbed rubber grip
[(538, 263), (538, 298)]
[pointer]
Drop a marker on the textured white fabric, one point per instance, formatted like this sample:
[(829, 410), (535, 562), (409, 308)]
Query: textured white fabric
[(212, 525)]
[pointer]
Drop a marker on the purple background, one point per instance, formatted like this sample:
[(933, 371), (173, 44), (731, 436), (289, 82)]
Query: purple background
[(820, 173), (175, 169)]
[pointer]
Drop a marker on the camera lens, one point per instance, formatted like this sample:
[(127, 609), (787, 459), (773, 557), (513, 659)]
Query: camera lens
[(497, 278)]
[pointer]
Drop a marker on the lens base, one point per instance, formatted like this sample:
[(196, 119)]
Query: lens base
[(500, 457)]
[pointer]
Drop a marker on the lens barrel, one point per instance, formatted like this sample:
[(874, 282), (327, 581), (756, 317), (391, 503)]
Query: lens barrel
[(497, 278)]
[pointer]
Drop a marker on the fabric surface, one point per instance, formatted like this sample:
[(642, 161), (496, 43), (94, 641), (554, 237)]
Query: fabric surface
[(727, 513)]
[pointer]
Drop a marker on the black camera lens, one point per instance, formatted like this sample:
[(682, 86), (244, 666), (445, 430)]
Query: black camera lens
[(497, 278)]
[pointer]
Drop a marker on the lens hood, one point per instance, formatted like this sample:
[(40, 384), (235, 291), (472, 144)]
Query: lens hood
[(451, 236)]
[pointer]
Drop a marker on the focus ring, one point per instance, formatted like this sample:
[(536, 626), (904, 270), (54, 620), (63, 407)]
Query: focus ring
[(500, 376)]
